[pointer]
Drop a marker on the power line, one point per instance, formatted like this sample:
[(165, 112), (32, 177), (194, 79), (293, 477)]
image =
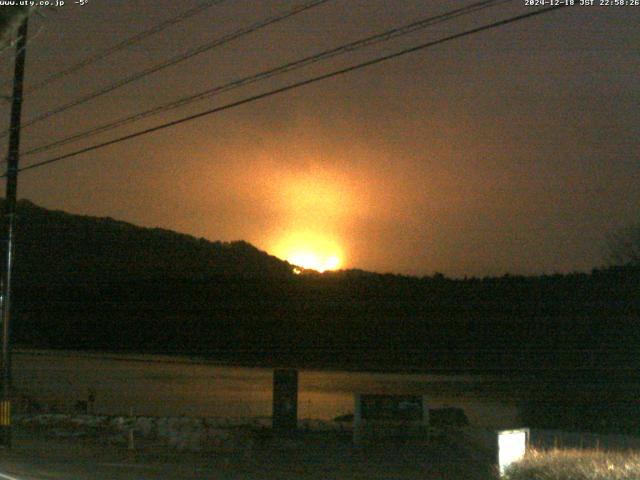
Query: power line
[(302, 83), (173, 61), (123, 44), (348, 48)]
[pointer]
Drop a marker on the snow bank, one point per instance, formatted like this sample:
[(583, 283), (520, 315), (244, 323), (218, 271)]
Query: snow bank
[(180, 433)]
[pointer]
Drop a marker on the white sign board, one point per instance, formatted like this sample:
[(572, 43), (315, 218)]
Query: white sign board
[(512, 445), (385, 415)]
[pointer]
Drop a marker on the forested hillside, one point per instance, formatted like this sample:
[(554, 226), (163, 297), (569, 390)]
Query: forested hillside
[(91, 283)]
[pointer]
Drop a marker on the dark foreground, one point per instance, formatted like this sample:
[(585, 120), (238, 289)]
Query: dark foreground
[(314, 456)]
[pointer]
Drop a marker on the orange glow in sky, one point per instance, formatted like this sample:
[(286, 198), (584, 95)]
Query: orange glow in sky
[(312, 206), (510, 161), (310, 260), (310, 251)]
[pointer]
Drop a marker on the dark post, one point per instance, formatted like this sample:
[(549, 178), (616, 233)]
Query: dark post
[(9, 217), (285, 400)]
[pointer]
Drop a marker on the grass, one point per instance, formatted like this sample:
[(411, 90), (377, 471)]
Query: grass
[(576, 465)]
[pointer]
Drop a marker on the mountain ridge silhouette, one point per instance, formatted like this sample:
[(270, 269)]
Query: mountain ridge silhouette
[(54, 245)]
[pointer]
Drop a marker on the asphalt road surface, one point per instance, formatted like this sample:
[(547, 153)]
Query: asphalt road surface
[(42, 458)]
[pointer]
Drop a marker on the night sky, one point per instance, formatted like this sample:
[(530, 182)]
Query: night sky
[(514, 150)]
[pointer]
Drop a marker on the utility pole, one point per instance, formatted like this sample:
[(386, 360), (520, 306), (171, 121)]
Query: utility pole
[(9, 224)]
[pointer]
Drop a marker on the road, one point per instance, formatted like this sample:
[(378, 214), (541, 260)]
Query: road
[(41, 458)]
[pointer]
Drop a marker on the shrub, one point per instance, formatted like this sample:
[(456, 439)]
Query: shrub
[(576, 465)]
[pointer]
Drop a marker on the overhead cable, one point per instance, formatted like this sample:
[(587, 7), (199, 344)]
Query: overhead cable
[(295, 85), (291, 66), (173, 61), (122, 45)]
